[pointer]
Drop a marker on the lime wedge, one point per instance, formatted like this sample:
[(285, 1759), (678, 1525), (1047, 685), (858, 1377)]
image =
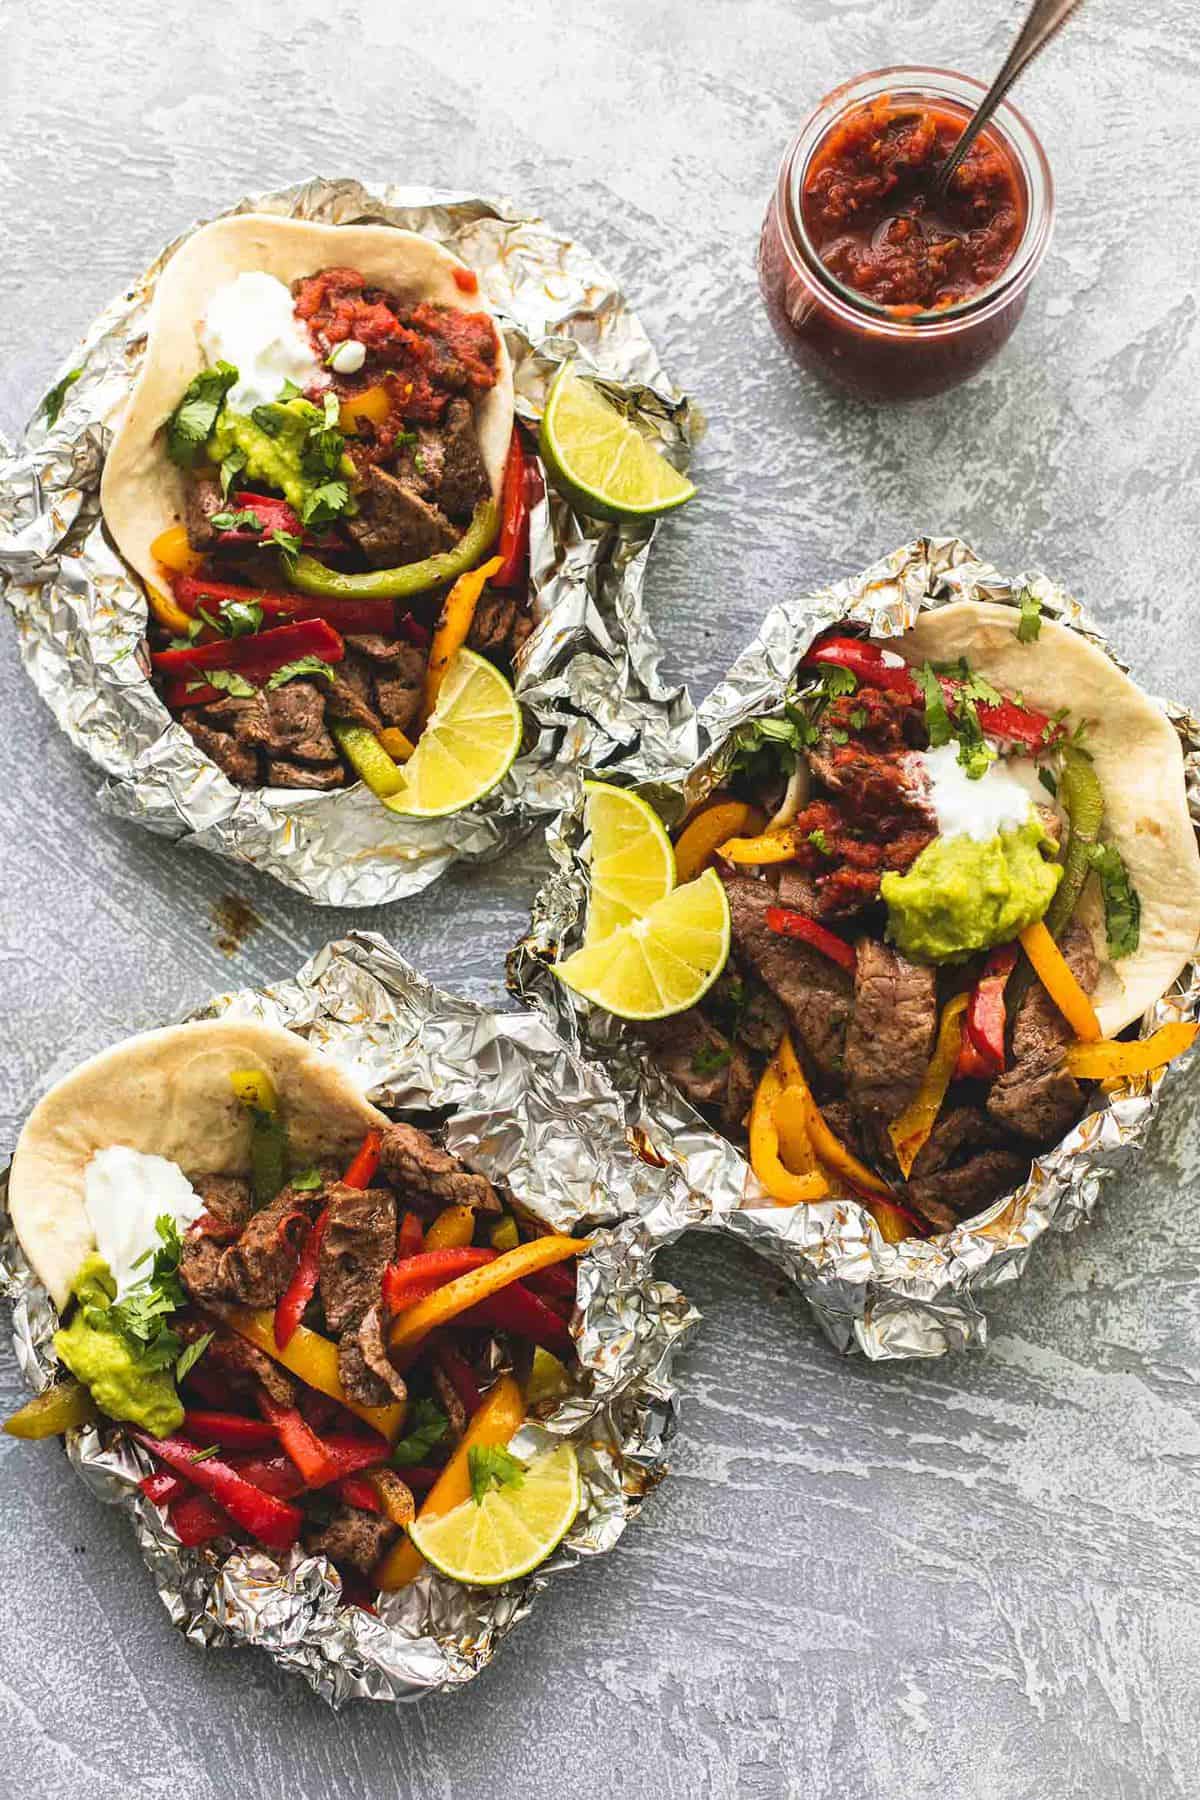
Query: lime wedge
[(468, 745), (548, 1377), (632, 865), (511, 1530), (600, 460), (663, 962)]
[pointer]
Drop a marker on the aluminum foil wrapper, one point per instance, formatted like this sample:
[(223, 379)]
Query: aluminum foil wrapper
[(531, 1116), (588, 676), (919, 1298)]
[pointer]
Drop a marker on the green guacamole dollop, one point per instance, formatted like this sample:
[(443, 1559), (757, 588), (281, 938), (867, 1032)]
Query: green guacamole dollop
[(105, 1361), (274, 457), (962, 895)]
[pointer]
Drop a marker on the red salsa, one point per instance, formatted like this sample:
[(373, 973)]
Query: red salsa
[(867, 210)]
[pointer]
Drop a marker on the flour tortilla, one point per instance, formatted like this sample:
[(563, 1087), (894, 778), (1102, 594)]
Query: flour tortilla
[(167, 1093), (1139, 762), (142, 491)]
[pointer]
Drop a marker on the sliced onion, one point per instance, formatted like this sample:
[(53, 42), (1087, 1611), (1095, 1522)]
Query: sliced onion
[(795, 797)]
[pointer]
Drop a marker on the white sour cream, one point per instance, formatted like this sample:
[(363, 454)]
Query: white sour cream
[(124, 1192), (251, 323), (997, 801)]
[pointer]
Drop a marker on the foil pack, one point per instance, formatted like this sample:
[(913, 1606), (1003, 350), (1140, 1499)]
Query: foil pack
[(530, 1115), (922, 1297), (588, 676)]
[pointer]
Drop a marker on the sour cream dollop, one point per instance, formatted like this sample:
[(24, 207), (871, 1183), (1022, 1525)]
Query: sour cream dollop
[(978, 809), (252, 324), (124, 1192)]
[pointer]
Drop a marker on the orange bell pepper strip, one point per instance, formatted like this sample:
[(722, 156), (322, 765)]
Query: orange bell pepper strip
[(758, 852), (1112, 1058), (173, 549), (501, 1413), (453, 1229), (166, 612), (398, 747), (789, 1188), (373, 404), (829, 1148), (313, 1359), (704, 834), (394, 1495), (911, 1130), (1054, 972), (453, 627), (458, 1296)]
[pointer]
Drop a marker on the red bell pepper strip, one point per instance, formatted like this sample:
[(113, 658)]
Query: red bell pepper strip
[(404, 1283), (971, 1066), (787, 923), (457, 1371), (230, 1429), (162, 1487), (197, 1519), (421, 1479), (866, 661), (221, 1231), (272, 515), (513, 545), (986, 1018), (361, 1172), (193, 592), (256, 656), (356, 1490), (261, 1514), (410, 1238), (291, 1305), (347, 1453), (558, 1281), (298, 1440), (514, 1308)]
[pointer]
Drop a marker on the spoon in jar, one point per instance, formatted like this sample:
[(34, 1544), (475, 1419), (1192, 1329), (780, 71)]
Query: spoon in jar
[(1044, 19)]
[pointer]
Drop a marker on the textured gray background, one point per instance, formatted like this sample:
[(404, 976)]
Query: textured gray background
[(975, 1580)]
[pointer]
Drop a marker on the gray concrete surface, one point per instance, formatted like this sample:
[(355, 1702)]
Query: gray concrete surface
[(970, 1581)]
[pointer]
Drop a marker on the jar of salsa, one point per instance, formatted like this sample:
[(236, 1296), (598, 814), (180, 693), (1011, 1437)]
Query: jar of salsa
[(869, 281)]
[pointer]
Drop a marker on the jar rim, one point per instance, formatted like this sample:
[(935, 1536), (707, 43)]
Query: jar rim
[(925, 83)]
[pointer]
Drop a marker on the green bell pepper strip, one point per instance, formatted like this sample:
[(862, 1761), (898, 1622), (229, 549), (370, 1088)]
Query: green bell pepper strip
[(312, 577), (1083, 802), (268, 1137)]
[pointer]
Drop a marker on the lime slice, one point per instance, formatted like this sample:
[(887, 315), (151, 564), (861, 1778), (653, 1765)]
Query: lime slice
[(633, 864), (663, 962), (468, 745), (511, 1530), (600, 460), (548, 1377)]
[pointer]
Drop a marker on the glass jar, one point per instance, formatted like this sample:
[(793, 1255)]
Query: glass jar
[(883, 352)]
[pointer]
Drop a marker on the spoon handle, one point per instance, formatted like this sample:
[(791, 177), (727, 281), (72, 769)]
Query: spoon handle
[(1044, 19)]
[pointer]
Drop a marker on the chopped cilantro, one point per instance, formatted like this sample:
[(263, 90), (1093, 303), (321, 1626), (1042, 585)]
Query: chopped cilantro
[(836, 681), (203, 1455), (231, 467), (1030, 623), (289, 391), (241, 520), (323, 505), (192, 1355), (768, 747), (975, 754), (304, 665), (190, 425), (492, 1464), (858, 717), (838, 736), (240, 618), (711, 1057), (937, 719), (978, 688), (141, 1315), (820, 842), (52, 405), (1049, 782), (267, 418), (1122, 905), (427, 1426), (287, 541), (226, 681)]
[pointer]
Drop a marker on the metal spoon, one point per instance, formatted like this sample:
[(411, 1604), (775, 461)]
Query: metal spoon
[(1044, 19)]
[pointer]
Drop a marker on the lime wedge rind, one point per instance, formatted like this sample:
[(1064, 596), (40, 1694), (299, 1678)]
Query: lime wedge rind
[(661, 964), (600, 459), (468, 745), (511, 1531)]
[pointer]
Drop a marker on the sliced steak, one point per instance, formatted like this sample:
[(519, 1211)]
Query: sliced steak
[(296, 724), (352, 1539), (451, 1405), (813, 991), (959, 1135), (247, 1365), (365, 1370), (200, 1269), (352, 693), (394, 525), (890, 1039), (358, 1245), (302, 775), (257, 1268), (1037, 1097), (227, 1197), (799, 891), (398, 672), (739, 1092), (237, 760), (492, 625), (464, 479), (694, 1055), (960, 1193), (248, 720), (202, 499), (427, 1177), (420, 465)]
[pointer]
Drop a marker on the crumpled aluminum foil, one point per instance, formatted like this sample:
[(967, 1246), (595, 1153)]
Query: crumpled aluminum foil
[(588, 676), (530, 1115), (916, 1298)]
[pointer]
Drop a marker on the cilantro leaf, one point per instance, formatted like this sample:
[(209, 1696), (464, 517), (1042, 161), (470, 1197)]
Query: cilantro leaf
[(975, 754), (427, 1426), (240, 618), (768, 747), (241, 520), (307, 1182), (711, 1057), (324, 503), (191, 424), (303, 665), (192, 1355), (52, 405), (226, 681), (836, 681), (270, 418), (1122, 904), (1030, 623), (978, 688), (231, 467), (1049, 782), (937, 719), (289, 391), (287, 541), (491, 1464)]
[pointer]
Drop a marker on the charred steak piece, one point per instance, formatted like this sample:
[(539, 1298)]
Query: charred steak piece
[(464, 480), (202, 500), (394, 525), (257, 1268), (296, 724), (200, 1269), (813, 991), (739, 1092), (428, 1178), (694, 1055), (365, 1369), (359, 1242), (235, 759), (281, 773), (1037, 1097), (357, 1539), (247, 1365), (954, 1194), (227, 1197), (891, 1033), (397, 669)]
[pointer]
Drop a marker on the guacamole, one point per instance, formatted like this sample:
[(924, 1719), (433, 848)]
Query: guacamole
[(107, 1362), (962, 895), (274, 443)]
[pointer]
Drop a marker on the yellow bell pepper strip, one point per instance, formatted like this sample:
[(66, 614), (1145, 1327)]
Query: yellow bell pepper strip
[(173, 549), (893, 1222), (312, 577), (452, 1229), (911, 1130), (398, 747), (500, 1415), (373, 405), (314, 1360), (758, 852), (788, 1188), (466, 1291), (829, 1148), (704, 835), (395, 1496), (1054, 972), (453, 627), (368, 758), (1113, 1058), (55, 1410), (167, 613), (268, 1137), (504, 1234)]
